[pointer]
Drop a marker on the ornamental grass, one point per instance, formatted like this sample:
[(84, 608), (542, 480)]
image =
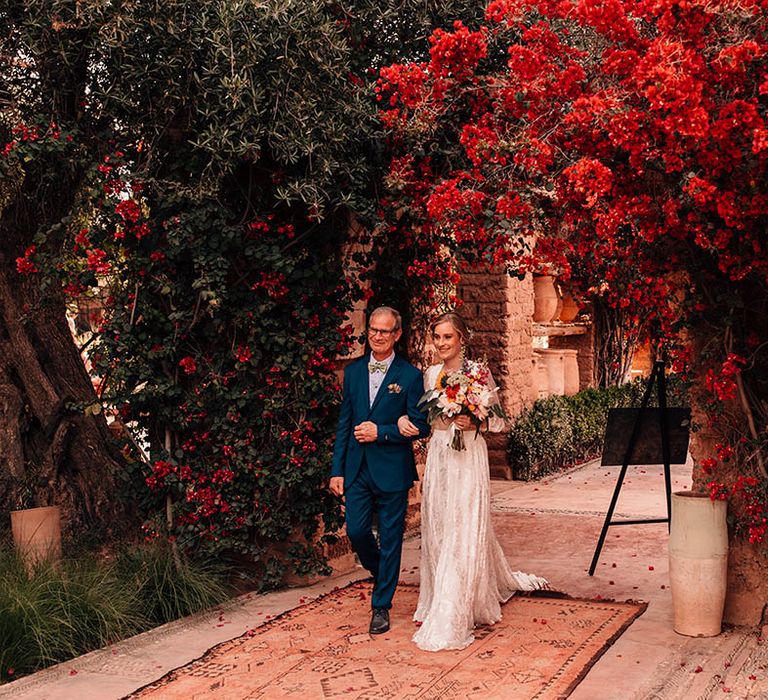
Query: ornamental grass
[(57, 612)]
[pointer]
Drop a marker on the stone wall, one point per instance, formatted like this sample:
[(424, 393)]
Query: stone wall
[(357, 243), (498, 308)]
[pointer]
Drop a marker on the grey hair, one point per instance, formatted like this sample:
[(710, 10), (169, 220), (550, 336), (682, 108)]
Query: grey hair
[(388, 310)]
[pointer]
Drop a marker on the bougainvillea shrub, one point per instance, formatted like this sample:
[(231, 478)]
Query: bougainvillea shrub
[(217, 349), (193, 170), (622, 145)]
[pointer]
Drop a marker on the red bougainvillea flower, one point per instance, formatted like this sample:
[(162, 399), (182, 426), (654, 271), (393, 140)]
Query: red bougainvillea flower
[(188, 364), (24, 264)]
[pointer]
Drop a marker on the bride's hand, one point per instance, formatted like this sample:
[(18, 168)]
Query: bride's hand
[(406, 428), (442, 423), (463, 422)]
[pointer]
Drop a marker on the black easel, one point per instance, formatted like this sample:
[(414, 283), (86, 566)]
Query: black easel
[(657, 378)]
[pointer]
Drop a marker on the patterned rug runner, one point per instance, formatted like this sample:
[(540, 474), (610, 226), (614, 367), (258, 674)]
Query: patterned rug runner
[(541, 649)]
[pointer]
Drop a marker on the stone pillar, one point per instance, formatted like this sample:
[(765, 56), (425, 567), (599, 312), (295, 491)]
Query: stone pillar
[(499, 309), (585, 345)]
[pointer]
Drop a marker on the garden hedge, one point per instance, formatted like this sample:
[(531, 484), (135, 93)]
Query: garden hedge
[(560, 431)]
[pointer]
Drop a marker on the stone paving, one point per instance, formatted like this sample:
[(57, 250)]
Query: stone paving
[(548, 528)]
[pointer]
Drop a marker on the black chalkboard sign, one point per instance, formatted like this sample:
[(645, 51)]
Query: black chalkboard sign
[(647, 448), (644, 435)]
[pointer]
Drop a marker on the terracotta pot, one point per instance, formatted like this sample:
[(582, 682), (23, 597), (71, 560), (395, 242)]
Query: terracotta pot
[(570, 309), (698, 563), (37, 534), (553, 364), (545, 298), (570, 372)]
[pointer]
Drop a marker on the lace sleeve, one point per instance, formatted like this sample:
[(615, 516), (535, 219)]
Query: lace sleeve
[(495, 423), (430, 376)]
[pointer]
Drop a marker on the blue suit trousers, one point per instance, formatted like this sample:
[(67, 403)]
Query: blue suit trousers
[(382, 559)]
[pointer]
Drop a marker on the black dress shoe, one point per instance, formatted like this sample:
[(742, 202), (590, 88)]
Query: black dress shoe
[(379, 621)]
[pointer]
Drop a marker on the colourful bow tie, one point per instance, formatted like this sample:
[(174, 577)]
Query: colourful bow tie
[(377, 367)]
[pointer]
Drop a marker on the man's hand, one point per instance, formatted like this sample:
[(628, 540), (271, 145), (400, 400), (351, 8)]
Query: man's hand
[(336, 485), (366, 432)]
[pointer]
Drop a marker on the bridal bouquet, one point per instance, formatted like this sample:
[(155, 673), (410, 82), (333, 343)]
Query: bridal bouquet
[(465, 391)]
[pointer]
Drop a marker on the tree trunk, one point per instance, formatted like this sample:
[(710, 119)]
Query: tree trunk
[(51, 452), (615, 345)]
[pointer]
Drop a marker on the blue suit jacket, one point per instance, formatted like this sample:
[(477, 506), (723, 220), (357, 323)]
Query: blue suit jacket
[(389, 459)]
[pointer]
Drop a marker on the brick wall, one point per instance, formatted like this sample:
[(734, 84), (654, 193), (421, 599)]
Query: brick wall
[(498, 309)]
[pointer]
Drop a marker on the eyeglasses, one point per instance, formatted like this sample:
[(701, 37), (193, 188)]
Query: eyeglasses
[(381, 331)]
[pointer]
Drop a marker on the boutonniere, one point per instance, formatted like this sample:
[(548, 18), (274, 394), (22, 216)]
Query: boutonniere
[(394, 388)]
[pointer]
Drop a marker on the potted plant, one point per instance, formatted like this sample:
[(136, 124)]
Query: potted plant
[(36, 529)]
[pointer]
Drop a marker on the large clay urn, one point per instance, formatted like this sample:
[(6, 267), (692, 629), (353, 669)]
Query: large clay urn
[(540, 380), (570, 372), (698, 563), (553, 364), (545, 298), (569, 309), (37, 534)]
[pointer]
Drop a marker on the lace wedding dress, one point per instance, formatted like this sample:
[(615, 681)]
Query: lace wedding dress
[(464, 574)]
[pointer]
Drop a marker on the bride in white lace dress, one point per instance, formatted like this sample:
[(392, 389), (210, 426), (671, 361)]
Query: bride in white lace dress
[(464, 574)]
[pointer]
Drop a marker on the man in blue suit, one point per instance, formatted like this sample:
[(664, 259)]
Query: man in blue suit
[(373, 465)]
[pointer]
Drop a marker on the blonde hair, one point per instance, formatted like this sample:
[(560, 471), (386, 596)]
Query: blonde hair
[(458, 323)]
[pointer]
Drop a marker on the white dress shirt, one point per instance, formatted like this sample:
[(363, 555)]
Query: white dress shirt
[(375, 379)]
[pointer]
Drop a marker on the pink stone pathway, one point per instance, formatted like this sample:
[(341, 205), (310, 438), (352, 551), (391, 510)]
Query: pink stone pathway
[(549, 528)]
